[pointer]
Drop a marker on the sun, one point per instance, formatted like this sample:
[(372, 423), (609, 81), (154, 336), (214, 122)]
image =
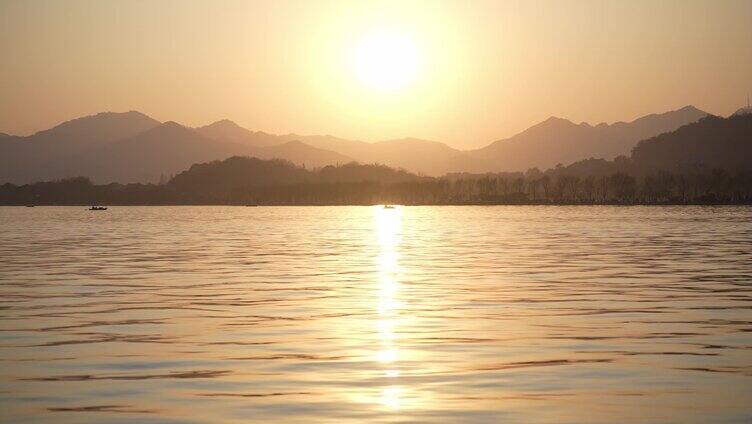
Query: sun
[(386, 61)]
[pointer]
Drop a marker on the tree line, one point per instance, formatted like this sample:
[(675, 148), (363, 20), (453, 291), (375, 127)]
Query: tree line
[(716, 187)]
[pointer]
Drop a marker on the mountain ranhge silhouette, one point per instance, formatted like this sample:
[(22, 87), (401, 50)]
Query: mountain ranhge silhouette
[(707, 162), (132, 147), (558, 140)]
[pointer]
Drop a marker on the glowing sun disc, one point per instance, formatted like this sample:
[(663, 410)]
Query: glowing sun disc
[(386, 61)]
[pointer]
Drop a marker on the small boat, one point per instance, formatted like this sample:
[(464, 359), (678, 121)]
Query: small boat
[(29, 206), (388, 207), (98, 208)]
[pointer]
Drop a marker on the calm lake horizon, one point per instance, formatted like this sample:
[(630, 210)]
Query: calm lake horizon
[(223, 314)]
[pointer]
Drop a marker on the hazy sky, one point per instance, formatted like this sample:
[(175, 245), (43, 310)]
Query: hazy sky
[(479, 70)]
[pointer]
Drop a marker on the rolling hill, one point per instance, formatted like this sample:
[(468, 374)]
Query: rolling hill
[(558, 140), (170, 148), (711, 143), (46, 154)]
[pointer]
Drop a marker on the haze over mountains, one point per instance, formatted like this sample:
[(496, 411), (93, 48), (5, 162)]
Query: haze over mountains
[(132, 147), (707, 162), (558, 140)]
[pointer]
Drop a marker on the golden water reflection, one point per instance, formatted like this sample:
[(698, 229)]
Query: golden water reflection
[(388, 230), (365, 314)]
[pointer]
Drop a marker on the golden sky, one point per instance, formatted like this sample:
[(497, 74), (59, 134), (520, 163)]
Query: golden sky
[(462, 72)]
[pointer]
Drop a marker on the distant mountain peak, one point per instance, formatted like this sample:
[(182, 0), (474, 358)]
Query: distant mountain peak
[(679, 117), (552, 123), (223, 123), (558, 140), (102, 118), (130, 113), (171, 124), (743, 111), (556, 120), (690, 108), (168, 129), (228, 130), (110, 113)]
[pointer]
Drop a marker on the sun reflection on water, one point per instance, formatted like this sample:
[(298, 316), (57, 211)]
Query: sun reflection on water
[(388, 229)]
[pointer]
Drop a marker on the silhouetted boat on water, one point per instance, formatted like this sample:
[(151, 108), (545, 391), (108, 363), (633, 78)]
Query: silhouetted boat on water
[(98, 208), (29, 206), (388, 207)]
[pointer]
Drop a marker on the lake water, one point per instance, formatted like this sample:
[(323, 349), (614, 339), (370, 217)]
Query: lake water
[(364, 314)]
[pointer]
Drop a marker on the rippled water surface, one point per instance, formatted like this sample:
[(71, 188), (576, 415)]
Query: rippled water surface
[(352, 314)]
